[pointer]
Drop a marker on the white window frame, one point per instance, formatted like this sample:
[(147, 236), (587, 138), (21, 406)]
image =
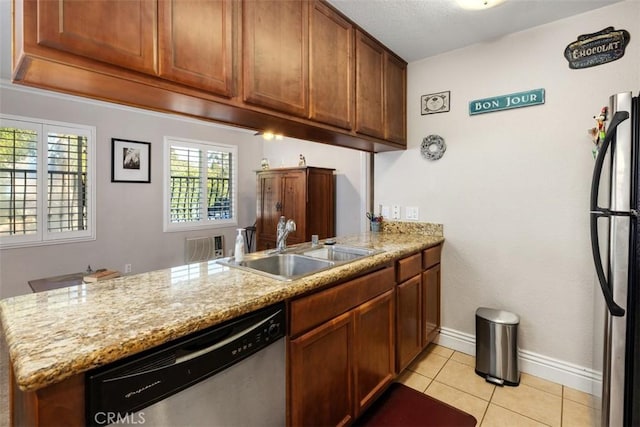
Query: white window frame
[(43, 237), (204, 222)]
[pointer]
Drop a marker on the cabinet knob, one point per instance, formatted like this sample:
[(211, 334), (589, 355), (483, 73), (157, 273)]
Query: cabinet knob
[(278, 206)]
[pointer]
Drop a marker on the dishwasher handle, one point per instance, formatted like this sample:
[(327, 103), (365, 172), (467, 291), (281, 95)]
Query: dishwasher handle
[(190, 355)]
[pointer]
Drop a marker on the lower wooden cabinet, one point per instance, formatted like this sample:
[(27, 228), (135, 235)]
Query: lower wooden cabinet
[(431, 304), (374, 364), (409, 321), (337, 367), (321, 385), (418, 304)]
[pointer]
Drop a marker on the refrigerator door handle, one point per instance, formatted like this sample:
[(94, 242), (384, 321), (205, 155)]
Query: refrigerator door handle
[(598, 212), (614, 308), (618, 118)]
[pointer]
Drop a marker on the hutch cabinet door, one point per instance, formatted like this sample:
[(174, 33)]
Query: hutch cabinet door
[(121, 33), (269, 209)]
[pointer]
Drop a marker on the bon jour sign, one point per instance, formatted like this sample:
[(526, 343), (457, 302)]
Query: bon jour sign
[(597, 48), (507, 102)]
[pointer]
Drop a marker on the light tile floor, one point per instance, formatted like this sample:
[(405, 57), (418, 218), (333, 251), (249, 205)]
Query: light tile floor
[(449, 376)]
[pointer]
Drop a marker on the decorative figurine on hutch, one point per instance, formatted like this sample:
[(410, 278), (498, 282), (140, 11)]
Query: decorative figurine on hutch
[(302, 162), (598, 133)]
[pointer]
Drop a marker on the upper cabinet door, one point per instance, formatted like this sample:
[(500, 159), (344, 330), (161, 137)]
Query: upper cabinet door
[(120, 32), (195, 43), (275, 55), (330, 67), (395, 100), (370, 60)]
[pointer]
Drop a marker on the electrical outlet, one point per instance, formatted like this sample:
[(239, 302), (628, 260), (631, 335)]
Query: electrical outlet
[(411, 213), (127, 268), (396, 212)]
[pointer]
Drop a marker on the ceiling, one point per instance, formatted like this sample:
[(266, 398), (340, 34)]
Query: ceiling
[(417, 29)]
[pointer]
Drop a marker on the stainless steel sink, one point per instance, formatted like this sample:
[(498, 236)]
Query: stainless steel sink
[(340, 253), (298, 262), (287, 265)]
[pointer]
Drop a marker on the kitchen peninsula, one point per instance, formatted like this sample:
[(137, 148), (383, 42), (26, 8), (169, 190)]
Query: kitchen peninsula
[(54, 337)]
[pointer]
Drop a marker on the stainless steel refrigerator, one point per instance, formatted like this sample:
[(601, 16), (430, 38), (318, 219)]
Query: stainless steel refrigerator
[(615, 241)]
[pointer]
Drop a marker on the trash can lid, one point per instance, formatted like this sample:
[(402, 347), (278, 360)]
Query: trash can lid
[(498, 316)]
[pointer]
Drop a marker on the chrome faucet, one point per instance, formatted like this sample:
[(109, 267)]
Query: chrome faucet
[(284, 228)]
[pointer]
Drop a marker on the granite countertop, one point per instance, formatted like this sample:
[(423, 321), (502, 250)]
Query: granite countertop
[(56, 334)]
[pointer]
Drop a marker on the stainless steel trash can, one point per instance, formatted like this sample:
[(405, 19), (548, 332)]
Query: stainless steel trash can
[(497, 346)]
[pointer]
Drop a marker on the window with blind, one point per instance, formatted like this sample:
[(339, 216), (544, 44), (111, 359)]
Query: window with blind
[(46, 182), (200, 184)]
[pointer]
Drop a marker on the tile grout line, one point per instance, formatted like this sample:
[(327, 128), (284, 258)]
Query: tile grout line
[(561, 406)]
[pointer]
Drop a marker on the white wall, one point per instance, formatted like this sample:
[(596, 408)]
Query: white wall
[(129, 216), (512, 188), (351, 176)]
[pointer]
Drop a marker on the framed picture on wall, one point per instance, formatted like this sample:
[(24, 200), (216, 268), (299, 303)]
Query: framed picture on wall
[(130, 161), (435, 103)]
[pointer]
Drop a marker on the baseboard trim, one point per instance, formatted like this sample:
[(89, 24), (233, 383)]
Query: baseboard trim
[(548, 368)]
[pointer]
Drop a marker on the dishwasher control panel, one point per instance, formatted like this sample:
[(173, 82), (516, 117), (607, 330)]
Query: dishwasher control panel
[(261, 336), (129, 385)]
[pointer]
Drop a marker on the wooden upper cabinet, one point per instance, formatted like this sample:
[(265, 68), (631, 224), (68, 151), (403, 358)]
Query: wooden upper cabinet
[(395, 96), (330, 67), (370, 61), (195, 43), (120, 33), (275, 55)]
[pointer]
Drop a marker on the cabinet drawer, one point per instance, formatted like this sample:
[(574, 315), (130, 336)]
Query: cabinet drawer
[(431, 256), (409, 267), (317, 308)]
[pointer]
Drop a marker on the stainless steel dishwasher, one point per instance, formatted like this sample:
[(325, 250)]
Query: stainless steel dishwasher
[(231, 374)]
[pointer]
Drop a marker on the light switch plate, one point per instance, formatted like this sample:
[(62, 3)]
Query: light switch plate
[(385, 212), (412, 213)]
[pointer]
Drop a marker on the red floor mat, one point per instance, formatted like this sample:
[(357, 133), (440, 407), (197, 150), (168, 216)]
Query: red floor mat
[(402, 406)]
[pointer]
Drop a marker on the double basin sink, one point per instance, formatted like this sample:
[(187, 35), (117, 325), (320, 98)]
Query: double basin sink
[(295, 263)]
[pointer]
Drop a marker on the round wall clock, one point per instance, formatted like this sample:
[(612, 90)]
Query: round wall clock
[(433, 147)]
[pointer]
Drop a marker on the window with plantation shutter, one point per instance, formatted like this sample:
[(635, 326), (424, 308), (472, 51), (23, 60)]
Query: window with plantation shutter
[(46, 182), (200, 184)]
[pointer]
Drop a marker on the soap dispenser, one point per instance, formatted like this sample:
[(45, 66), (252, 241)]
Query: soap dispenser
[(239, 251)]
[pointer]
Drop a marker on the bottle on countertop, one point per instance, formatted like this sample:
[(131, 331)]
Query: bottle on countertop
[(239, 250)]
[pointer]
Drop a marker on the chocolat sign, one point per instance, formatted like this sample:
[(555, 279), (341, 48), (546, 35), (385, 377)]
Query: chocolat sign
[(597, 48)]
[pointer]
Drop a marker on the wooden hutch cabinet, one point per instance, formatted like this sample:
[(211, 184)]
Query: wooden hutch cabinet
[(304, 194)]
